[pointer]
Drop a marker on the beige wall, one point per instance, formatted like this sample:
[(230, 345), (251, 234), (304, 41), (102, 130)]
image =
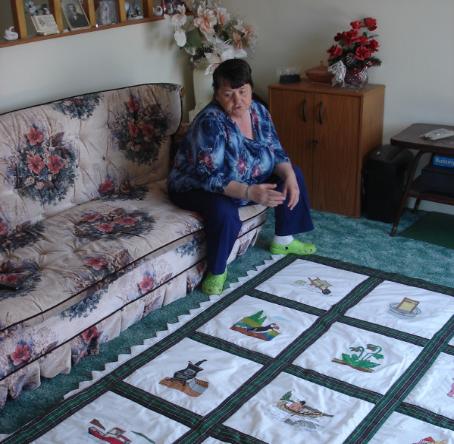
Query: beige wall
[(38, 72)]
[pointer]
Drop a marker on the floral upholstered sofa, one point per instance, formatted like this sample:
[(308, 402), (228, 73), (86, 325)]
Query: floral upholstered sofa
[(89, 241)]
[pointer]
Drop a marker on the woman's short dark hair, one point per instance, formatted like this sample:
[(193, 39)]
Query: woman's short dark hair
[(235, 72)]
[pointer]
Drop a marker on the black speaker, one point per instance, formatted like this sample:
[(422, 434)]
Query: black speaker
[(384, 175)]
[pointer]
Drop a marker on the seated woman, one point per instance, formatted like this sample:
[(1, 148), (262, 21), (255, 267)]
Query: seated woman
[(231, 156)]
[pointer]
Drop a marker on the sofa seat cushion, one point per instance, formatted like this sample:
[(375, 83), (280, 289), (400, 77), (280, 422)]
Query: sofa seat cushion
[(73, 254)]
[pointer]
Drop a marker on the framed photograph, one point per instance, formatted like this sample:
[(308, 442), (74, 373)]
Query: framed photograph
[(134, 9), (45, 24), (74, 14), (106, 12)]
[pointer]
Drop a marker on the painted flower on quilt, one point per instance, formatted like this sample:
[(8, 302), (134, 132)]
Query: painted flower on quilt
[(79, 107), (43, 168), (110, 190), (361, 358), (18, 277), (139, 130), (21, 354), (23, 234), (116, 223)]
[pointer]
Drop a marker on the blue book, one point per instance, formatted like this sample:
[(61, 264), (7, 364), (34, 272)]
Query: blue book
[(443, 161)]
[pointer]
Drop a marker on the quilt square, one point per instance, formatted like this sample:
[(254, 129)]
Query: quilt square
[(313, 284), (194, 375), (359, 357), (114, 419), (400, 428), (410, 309), (435, 390), (259, 325), (290, 407)]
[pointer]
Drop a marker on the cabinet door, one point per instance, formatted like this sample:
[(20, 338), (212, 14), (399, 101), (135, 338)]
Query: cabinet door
[(335, 153), (292, 113)]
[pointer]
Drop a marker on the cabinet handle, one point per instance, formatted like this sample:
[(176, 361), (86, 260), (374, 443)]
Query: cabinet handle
[(303, 111), (320, 113)]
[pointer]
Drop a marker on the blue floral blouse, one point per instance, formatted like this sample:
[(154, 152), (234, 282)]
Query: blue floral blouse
[(215, 152)]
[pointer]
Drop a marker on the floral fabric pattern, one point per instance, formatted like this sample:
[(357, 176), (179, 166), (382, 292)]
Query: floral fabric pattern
[(83, 308), (85, 344), (17, 278), (214, 151), (88, 239), (118, 222), (79, 107), (139, 130), (23, 234), (193, 247), (44, 167), (109, 190)]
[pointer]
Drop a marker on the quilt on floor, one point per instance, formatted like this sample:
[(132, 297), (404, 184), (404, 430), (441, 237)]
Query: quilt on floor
[(309, 350)]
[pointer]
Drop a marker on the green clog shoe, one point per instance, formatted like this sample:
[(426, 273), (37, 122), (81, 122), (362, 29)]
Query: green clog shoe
[(294, 247), (214, 283)]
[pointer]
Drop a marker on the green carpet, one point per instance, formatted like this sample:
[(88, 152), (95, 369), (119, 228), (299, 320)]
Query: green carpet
[(359, 241), (435, 228)]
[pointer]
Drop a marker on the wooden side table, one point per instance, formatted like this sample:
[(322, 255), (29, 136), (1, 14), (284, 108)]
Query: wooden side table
[(417, 187)]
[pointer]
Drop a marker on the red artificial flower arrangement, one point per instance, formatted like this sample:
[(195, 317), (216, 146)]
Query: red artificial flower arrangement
[(356, 47)]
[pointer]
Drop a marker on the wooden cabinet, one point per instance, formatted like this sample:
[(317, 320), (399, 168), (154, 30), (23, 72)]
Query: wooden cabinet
[(327, 131)]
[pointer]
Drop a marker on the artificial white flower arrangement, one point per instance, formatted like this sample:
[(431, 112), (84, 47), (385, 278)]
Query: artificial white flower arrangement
[(210, 35)]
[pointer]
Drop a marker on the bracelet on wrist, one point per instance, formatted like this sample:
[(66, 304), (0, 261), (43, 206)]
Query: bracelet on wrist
[(246, 194)]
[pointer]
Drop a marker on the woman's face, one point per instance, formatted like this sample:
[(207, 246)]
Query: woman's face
[(235, 101)]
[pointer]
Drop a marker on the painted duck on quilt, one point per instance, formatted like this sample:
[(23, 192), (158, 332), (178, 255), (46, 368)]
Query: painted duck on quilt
[(308, 350)]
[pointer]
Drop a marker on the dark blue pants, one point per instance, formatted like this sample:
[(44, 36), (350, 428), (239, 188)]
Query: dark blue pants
[(222, 221)]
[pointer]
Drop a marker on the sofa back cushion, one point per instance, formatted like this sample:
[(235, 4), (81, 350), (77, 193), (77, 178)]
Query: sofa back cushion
[(67, 152)]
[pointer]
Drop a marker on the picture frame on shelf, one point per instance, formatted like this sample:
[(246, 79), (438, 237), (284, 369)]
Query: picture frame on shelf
[(45, 24), (134, 9), (106, 12), (74, 14)]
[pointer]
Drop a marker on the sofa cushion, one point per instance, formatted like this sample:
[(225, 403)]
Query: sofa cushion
[(71, 151), (82, 247)]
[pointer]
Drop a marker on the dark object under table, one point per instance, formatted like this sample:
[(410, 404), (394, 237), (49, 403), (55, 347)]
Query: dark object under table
[(425, 186)]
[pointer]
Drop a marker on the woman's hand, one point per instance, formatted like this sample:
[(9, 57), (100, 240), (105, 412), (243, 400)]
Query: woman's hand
[(291, 190), (265, 194)]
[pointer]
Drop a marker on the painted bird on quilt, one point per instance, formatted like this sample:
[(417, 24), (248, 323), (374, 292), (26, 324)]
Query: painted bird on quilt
[(263, 328)]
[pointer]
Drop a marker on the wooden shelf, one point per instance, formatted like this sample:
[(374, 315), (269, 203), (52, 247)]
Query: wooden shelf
[(19, 14)]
